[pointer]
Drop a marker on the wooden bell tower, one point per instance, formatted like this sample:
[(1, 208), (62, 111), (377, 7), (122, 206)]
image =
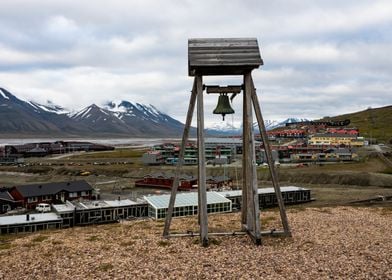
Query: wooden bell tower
[(222, 57)]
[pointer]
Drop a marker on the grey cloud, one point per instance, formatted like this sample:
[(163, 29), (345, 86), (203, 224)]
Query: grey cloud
[(320, 57)]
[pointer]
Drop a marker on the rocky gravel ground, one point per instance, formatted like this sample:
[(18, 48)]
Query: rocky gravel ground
[(327, 243)]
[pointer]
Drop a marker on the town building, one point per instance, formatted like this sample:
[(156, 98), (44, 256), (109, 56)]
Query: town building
[(29, 223), (165, 181), (81, 213), (98, 212), (287, 133), (217, 151), (333, 139), (41, 149), (7, 202), (186, 204), (267, 196), (29, 196)]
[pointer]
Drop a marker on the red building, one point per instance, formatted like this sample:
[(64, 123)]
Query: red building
[(29, 196), (348, 131), (186, 182), (287, 133)]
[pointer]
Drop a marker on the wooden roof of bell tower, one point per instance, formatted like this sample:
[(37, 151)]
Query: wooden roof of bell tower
[(223, 56)]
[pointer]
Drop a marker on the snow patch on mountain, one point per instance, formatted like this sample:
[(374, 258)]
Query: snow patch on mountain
[(3, 94), (284, 122), (223, 126), (49, 107)]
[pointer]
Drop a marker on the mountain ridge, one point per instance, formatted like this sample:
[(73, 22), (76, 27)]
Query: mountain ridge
[(30, 118)]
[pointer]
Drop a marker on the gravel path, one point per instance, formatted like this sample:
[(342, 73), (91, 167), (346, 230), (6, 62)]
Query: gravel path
[(327, 243)]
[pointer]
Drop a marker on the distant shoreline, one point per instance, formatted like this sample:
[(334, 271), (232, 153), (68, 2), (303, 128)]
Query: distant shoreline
[(142, 142)]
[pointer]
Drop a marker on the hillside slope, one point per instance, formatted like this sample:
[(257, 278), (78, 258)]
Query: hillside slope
[(339, 243), (372, 123)]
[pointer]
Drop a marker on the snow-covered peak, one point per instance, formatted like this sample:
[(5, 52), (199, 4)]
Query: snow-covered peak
[(3, 94), (83, 113), (49, 107), (134, 109), (223, 126), (284, 122)]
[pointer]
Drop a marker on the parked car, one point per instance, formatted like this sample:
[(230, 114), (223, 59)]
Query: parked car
[(43, 207)]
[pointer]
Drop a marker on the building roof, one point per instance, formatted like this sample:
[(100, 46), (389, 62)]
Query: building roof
[(70, 206), (5, 195), (218, 179), (225, 141), (34, 218), (53, 188), (162, 175), (262, 191), (184, 199), (333, 135), (223, 56)]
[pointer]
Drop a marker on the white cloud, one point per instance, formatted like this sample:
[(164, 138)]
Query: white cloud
[(320, 56)]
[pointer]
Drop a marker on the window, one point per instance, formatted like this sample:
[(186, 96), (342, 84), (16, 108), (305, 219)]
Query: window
[(84, 193), (73, 194), (32, 199), (46, 197)]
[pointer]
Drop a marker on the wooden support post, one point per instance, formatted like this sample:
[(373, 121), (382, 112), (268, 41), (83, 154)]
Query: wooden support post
[(271, 164), (245, 155), (201, 164), (180, 161), (253, 222)]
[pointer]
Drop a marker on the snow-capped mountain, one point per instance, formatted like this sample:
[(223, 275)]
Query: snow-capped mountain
[(27, 118), (224, 127), (115, 118), (19, 117), (286, 121), (227, 128), (49, 107)]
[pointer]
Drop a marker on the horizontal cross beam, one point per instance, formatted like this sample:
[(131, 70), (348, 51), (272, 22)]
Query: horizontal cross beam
[(272, 232), (226, 89)]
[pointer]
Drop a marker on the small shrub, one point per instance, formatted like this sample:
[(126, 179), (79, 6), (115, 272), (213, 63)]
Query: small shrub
[(39, 238), (105, 267), (5, 246), (214, 241), (387, 171), (29, 245), (127, 243), (163, 243), (93, 238)]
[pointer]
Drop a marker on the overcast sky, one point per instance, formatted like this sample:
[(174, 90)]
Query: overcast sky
[(320, 57)]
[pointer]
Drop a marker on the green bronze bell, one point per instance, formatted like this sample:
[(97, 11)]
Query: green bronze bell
[(223, 106)]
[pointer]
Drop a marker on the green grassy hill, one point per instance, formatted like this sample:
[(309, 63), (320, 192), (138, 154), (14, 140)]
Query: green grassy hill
[(372, 123)]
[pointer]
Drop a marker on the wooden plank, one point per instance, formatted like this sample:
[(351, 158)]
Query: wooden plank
[(193, 234), (233, 50), (225, 56), (253, 222), (226, 89), (268, 152), (245, 142), (180, 162), (247, 63), (220, 70), (202, 164), (247, 155), (222, 43)]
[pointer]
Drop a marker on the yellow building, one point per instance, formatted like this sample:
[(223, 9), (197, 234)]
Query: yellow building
[(336, 140)]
